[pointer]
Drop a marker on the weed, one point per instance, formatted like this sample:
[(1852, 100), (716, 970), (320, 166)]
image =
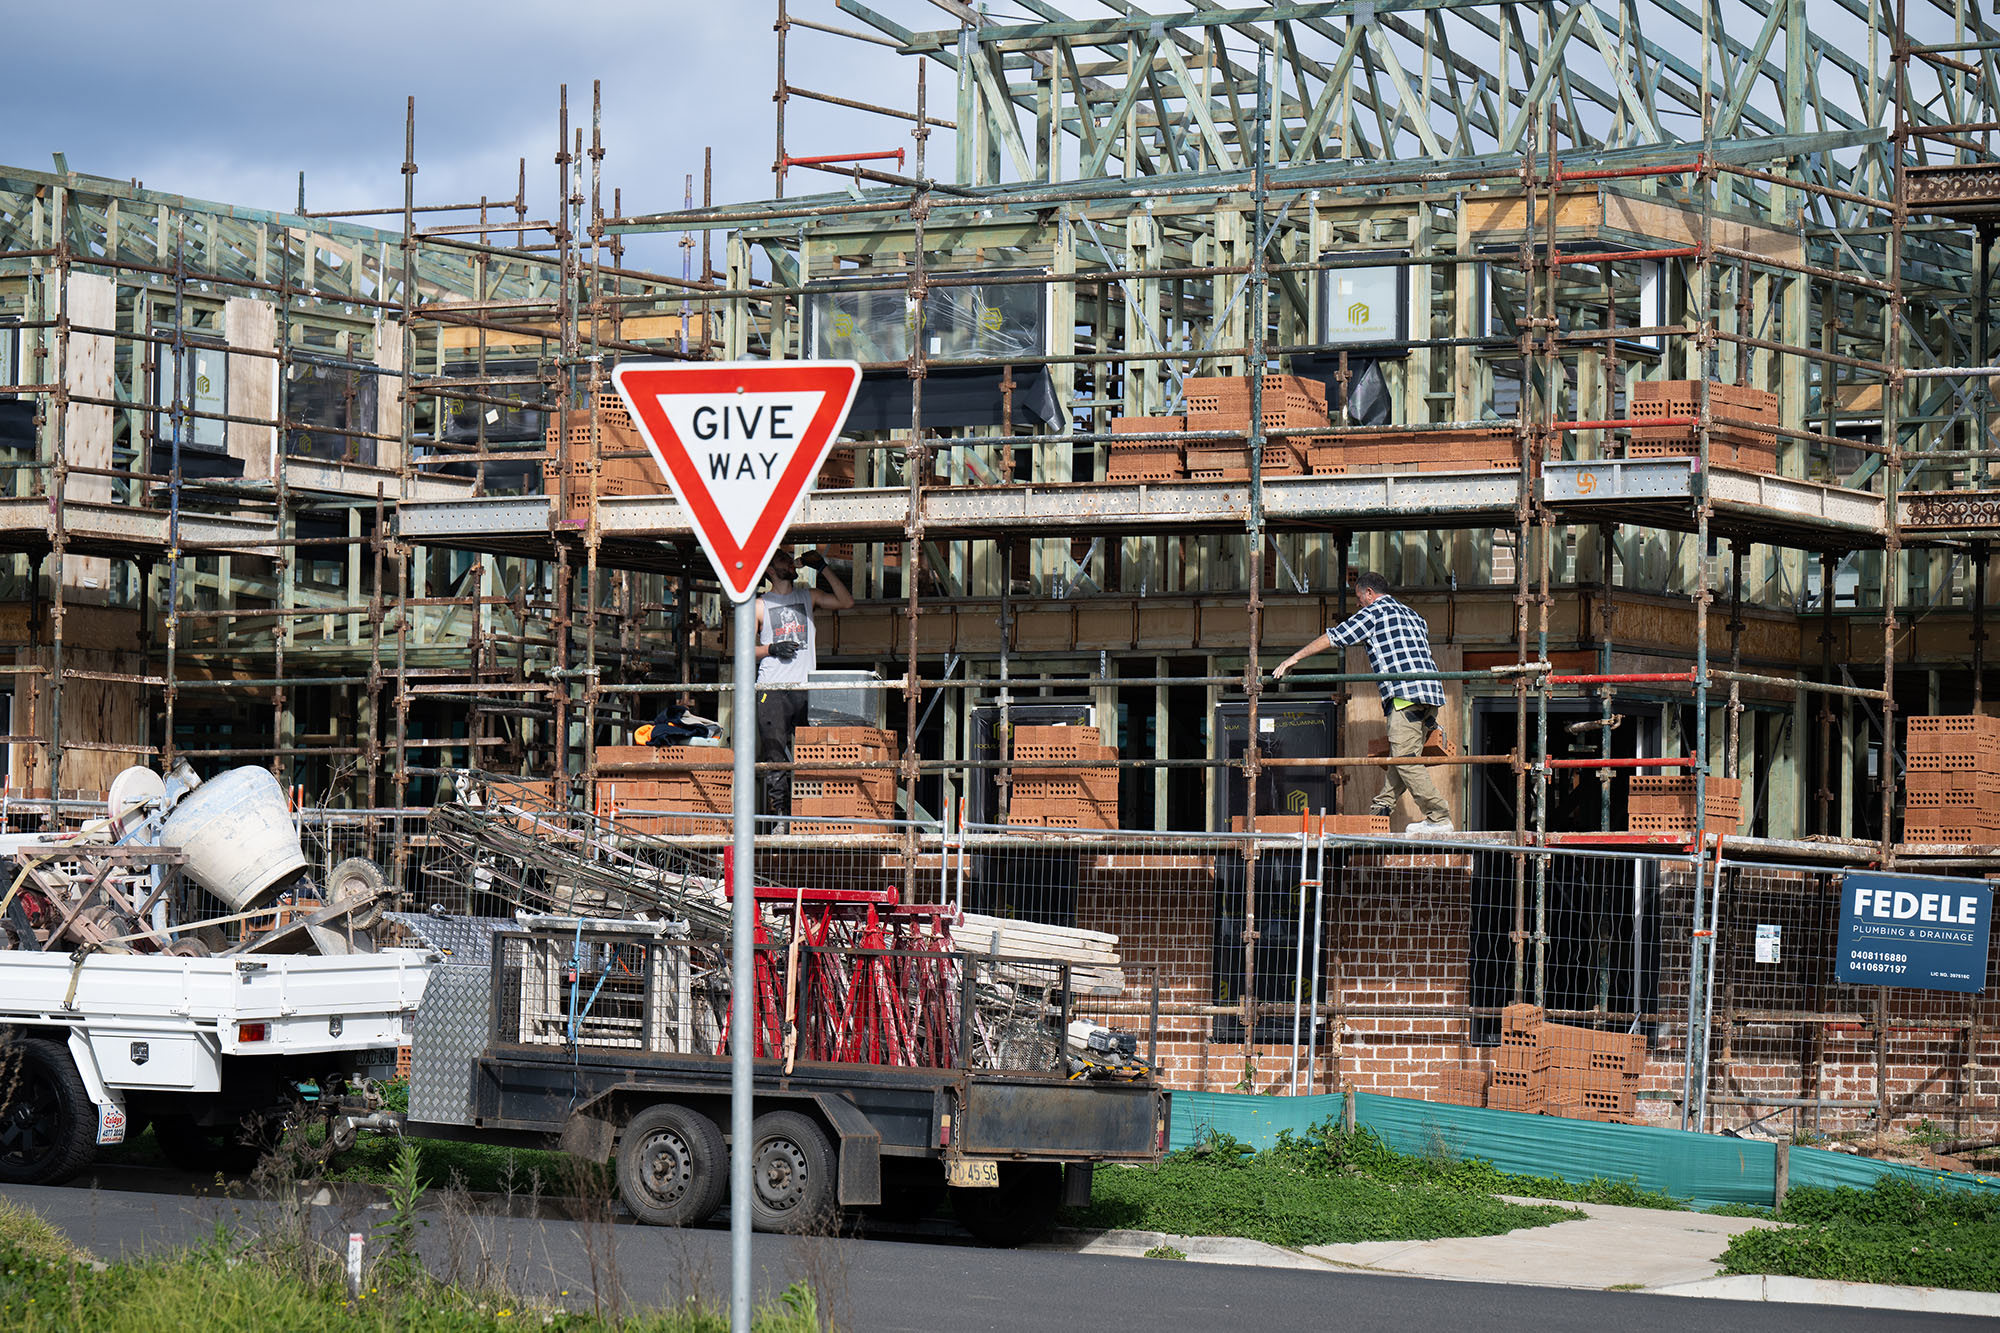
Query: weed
[(1929, 1134), (1893, 1232), (1165, 1252), (400, 1267)]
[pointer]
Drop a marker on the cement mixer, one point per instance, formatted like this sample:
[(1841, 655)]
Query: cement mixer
[(104, 886)]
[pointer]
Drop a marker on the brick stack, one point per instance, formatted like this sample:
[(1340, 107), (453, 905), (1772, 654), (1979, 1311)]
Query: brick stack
[(1444, 449), (1746, 447), (830, 800), (1335, 826), (1079, 793), (1951, 793), (1463, 1087), (1666, 805), (1146, 460), (1553, 1069), (693, 783), (1223, 404), (570, 454), (837, 472)]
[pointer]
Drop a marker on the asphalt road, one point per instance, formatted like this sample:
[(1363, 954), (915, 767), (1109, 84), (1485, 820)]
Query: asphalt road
[(928, 1279)]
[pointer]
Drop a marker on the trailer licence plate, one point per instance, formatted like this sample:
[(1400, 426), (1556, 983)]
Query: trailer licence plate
[(967, 1173)]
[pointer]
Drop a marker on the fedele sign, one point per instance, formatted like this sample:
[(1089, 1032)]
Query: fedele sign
[(1923, 931)]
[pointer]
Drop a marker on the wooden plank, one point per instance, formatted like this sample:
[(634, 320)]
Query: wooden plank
[(253, 383)]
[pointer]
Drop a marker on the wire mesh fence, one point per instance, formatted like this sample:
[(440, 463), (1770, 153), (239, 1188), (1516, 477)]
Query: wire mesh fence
[(1568, 981), (1794, 1049)]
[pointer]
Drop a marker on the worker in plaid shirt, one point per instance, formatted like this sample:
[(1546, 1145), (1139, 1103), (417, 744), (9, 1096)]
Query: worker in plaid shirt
[(1398, 641)]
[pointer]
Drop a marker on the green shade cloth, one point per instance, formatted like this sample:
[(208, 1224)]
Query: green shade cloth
[(1706, 1169)]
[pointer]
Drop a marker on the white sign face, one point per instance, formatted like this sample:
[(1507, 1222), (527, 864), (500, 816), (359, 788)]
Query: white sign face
[(1363, 305), (1768, 943), (741, 443)]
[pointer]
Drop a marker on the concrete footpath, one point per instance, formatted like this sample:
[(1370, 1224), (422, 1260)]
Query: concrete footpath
[(1634, 1249)]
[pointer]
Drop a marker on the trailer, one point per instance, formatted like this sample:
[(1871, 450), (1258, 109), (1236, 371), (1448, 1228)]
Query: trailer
[(217, 1054), (884, 1075)]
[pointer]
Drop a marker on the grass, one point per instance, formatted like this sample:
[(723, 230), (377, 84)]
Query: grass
[(1327, 1187), (232, 1286), (1894, 1232), (479, 1167)]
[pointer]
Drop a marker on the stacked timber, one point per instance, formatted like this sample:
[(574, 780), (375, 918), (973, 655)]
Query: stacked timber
[(1951, 787), (1091, 954)]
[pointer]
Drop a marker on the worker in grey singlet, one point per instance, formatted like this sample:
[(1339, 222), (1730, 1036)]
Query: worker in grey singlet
[(787, 653)]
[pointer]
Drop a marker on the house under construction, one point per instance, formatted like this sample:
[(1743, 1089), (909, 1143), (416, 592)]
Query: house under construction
[(1647, 353)]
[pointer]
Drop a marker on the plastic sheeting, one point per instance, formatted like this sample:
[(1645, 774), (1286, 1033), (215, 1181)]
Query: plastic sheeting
[(1706, 1169), (1832, 1170)]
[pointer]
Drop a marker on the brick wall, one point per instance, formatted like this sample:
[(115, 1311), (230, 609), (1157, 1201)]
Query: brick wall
[(1396, 968)]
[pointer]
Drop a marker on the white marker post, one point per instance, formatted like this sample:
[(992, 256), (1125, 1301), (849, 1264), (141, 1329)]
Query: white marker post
[(740, 443)]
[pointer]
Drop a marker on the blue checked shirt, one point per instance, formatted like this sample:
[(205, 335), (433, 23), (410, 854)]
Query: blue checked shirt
[(1398, 640)]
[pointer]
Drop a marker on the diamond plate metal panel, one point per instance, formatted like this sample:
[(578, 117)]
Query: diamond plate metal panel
[(466, 941), (451, 1031)]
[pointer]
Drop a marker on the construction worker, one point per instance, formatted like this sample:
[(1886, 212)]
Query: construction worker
[(787, 653), (1398, 642)]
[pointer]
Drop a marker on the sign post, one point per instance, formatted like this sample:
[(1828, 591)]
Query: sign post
[(740, 444)]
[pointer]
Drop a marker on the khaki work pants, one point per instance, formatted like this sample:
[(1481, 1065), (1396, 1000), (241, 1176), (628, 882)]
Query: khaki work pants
[(1407, 729)]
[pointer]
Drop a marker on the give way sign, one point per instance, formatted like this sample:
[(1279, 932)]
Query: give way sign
[(740, 443)]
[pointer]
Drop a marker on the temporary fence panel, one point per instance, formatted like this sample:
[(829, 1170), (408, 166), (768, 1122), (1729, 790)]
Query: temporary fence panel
[(1793, 1048)]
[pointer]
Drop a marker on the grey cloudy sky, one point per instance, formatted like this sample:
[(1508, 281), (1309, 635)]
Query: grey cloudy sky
[(227, 100)]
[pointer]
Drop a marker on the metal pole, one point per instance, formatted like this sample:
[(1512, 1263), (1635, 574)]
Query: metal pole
[(1319, 933), (742, 924), (1299, 952)]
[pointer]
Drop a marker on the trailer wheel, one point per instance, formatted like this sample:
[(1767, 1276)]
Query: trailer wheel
[(791, 1174), (672, 1165), (48, 1124), (1022, 1207)]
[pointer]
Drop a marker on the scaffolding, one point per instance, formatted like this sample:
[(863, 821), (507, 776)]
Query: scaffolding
[(1562, 206)]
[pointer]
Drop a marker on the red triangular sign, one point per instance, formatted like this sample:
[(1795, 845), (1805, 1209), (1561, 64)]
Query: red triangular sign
[(740, 443)]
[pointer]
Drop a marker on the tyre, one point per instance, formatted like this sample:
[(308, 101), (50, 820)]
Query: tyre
[(791, 1174), (48, 1124), (1022, 1207), (672, 1166), (232, 1150), (358, 877)]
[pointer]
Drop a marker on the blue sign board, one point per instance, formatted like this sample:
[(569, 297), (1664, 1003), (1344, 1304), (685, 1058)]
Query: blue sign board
[(1922, 931)]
